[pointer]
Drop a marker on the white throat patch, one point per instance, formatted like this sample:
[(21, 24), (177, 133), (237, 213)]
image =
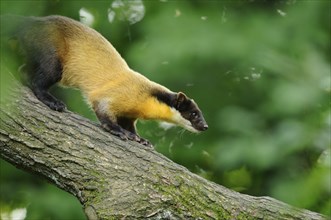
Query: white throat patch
[(179, 120)]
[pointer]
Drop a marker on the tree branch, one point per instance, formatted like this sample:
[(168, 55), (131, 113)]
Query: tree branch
[(114, 179)]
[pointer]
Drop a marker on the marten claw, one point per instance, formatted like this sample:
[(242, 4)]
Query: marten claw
[(130, 136), (145, 142), (136, 138), (57, 106), (127, 135), (119, 134)]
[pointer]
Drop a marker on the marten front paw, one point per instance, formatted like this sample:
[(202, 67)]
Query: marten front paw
[(115, 131), (57, 105), (145, 142), (134, 137), (119, 134), (125, 135)]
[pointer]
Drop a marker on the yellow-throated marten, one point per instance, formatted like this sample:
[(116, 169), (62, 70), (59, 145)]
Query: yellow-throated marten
[(60, 49)]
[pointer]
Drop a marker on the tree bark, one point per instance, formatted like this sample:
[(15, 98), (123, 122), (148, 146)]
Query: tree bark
[(114, 179)]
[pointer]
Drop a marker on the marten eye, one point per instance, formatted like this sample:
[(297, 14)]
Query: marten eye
[(193, 115)]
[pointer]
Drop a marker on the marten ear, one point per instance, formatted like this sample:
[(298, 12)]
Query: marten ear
[(181, 97)]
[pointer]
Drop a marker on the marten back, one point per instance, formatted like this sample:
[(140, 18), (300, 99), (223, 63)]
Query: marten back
[(87, 58)]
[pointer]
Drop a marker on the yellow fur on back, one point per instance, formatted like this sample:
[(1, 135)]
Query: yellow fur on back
[(90, 60)]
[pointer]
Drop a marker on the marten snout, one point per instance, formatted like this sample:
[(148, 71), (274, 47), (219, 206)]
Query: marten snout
[(204, 127), (201, 126), (198, 122)]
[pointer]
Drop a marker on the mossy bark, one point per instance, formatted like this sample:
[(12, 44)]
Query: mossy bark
[(114, 179)]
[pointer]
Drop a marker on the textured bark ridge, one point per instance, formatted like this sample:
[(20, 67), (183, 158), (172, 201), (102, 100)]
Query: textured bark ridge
[(114, 179)]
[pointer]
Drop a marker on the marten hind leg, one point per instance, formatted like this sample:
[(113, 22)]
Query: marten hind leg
[(44, 73)]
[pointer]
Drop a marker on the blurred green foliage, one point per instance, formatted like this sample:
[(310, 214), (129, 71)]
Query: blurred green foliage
[(259, 70)]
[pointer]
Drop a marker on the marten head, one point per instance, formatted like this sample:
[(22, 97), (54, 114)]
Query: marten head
[(185, 112), (190, 112)]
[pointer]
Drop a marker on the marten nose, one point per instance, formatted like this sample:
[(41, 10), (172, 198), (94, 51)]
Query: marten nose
[(201, 126)]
